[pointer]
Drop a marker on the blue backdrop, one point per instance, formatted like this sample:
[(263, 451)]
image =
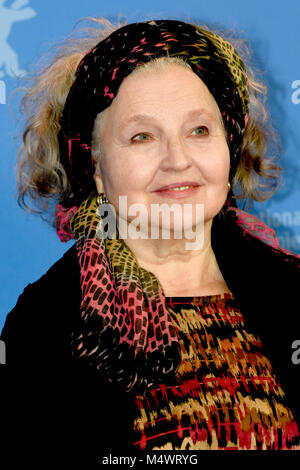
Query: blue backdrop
[(29, 28)]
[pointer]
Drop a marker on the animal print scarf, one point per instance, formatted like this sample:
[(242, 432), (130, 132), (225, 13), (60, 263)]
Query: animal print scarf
[(126, 331)]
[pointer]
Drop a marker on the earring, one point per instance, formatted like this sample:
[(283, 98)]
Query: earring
[(229, 186), (101, 199)]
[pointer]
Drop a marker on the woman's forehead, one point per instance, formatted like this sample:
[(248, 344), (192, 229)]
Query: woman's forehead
[(172, 75), (141, 94)]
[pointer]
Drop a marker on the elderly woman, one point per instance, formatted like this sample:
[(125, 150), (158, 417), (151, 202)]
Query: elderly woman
[(154, 346)]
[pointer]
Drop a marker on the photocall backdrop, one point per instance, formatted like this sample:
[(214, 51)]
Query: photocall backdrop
[(29, 28)]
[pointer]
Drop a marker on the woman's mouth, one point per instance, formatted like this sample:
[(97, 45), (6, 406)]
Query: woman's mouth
[(178, 192)]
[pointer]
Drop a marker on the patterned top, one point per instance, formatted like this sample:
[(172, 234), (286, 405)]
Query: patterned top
[(225, 394)]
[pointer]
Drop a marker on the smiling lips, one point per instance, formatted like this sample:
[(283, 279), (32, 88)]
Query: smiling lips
[(178, 185), (178, 190)]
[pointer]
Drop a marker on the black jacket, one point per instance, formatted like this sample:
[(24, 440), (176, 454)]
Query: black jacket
[(53, 403)]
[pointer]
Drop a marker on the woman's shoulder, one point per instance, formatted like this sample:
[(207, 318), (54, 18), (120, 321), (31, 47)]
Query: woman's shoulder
[(66, 269), (247, 230), (64, 273), (45, 311)]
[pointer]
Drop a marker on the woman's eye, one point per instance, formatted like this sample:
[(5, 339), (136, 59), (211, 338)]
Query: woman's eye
[(143, 137), (203, 130), (139, 135)]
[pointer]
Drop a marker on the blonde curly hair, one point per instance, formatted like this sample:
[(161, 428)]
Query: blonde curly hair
[(40, 173)]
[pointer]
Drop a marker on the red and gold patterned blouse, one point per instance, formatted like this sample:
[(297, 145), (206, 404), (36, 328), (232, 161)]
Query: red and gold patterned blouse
[(225, 394)]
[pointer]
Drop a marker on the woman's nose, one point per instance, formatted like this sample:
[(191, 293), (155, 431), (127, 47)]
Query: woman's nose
[(175, 155)]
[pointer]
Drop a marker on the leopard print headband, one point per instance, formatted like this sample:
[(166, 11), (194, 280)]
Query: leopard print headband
[(102, 70)]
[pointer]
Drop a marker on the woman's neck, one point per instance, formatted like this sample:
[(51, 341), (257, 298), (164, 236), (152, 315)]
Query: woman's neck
[(181, 272)]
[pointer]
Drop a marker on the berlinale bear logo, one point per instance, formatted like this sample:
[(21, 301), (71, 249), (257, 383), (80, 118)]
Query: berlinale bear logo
[(9, 64)]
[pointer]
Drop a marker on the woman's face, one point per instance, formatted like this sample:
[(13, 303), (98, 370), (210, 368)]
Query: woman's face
[(179, 138)]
